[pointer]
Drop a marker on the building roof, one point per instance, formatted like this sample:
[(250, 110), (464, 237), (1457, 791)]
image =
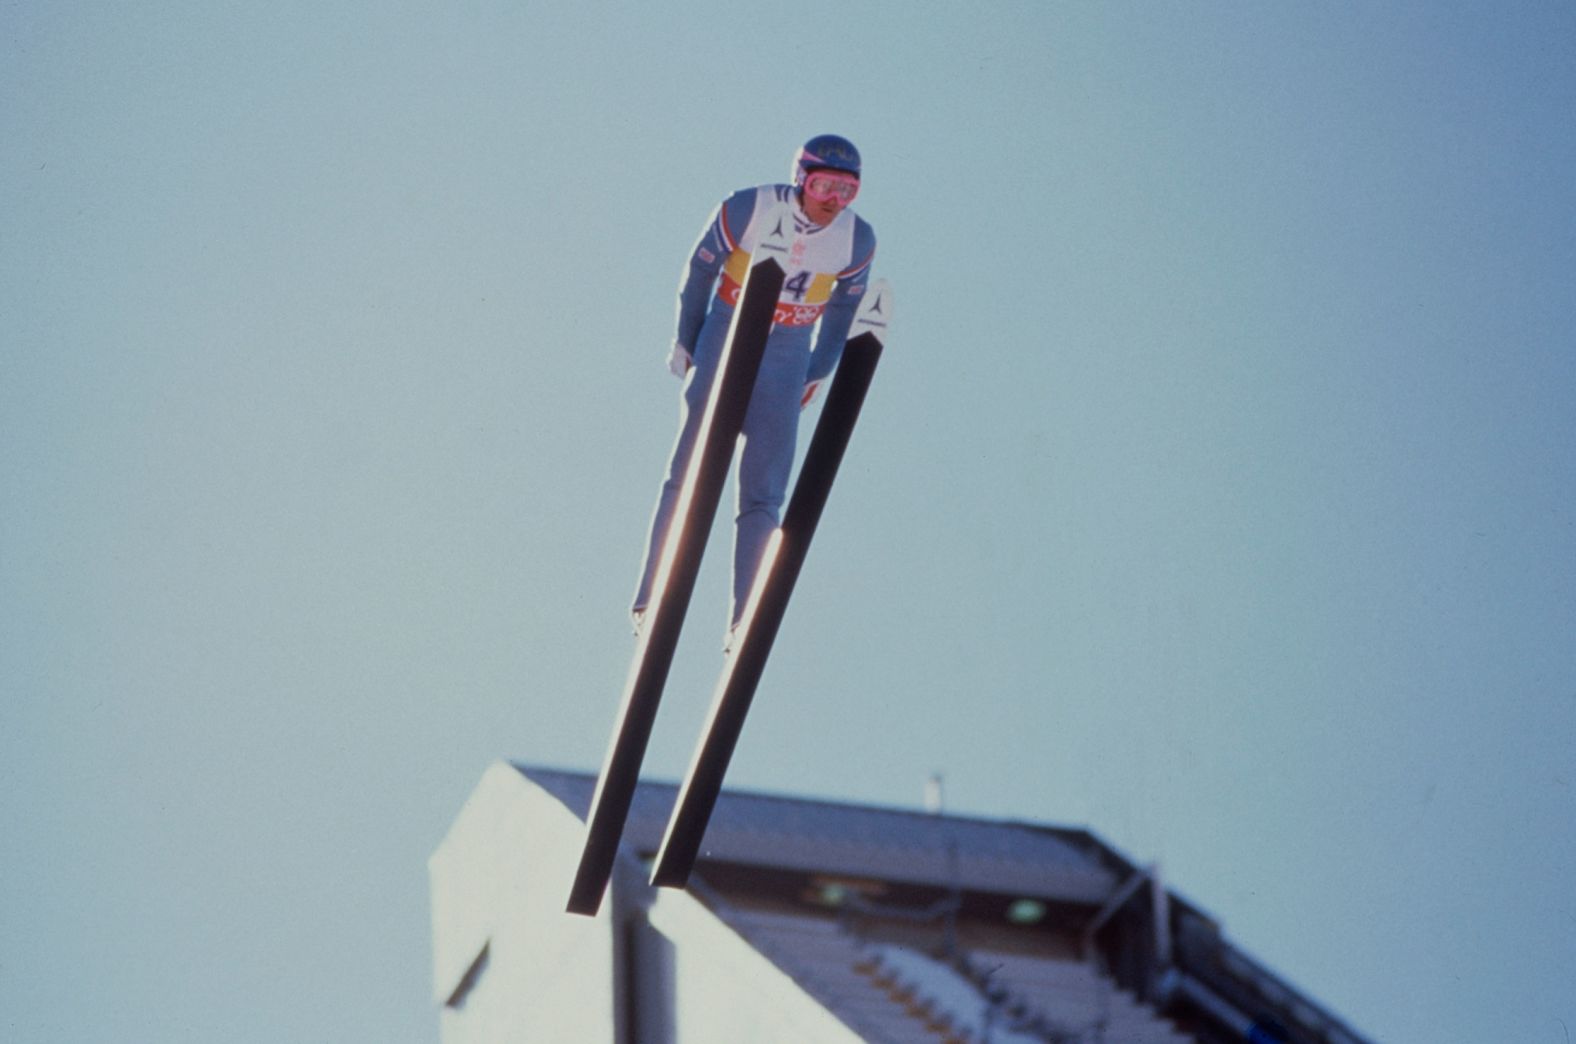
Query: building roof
[(863, 841), (820, 885)]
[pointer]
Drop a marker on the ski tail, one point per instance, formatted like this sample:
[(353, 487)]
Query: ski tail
[(704, 477), (774, 583)]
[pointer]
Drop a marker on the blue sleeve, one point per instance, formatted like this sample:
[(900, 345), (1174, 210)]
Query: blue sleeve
[(717, 240), (844, 303)]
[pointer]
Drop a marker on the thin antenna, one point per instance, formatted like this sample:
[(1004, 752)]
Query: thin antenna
[(934, 788)]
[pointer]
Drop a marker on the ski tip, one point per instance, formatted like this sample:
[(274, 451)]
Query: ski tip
[(875, 311)]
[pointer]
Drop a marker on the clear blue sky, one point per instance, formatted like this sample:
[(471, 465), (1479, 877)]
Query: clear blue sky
[(1218, 490)]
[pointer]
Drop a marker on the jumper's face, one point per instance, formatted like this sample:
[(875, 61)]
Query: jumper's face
[(827, 193)]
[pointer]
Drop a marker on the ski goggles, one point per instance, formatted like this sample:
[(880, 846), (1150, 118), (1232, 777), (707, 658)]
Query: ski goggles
[(826, 185)]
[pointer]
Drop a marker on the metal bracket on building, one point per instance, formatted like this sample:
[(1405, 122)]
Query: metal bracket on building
[(1159, 958), (462, 989), (1118, 899)]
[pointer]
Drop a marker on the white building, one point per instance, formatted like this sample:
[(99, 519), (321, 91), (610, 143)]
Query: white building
[(809, 922)]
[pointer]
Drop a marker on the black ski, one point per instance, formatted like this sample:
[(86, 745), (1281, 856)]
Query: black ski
[(682, 549), (774, 583)]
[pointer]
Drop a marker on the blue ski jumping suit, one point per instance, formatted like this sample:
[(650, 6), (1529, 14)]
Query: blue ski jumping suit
[(826, 274)]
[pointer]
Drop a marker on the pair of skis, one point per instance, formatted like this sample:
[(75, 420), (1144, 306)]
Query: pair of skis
[(680, 563)]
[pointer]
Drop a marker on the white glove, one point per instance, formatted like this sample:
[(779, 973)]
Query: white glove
[(679, 361), (810, 391)]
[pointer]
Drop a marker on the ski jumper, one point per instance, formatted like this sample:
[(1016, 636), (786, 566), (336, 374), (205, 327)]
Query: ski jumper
[(825, 276)]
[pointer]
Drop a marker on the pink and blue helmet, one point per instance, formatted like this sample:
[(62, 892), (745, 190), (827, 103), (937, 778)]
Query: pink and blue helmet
[(825, 152)]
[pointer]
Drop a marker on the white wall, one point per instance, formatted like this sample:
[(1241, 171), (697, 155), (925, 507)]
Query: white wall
[(500, 879), (725, 991)]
